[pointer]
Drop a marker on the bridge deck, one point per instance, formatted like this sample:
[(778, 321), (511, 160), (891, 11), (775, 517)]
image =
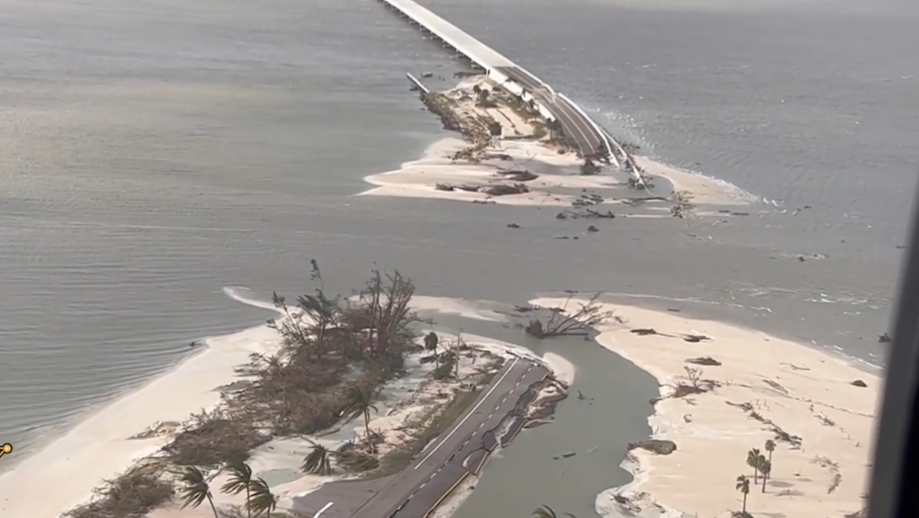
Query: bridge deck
[(579, 130), (478, 52)]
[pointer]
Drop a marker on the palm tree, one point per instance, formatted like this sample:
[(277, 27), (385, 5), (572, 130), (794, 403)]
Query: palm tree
[(545, 511), (239, 481), (263, 501), (753, 461), (743, 485), (430, 344), (766, 468), (319, 460), (360, 402), (195, 489), (770, 447)]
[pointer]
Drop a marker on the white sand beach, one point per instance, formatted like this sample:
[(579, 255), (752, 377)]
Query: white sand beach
[(137, 425), (402, 401), (762, 384), (100, 447), (439, 174)]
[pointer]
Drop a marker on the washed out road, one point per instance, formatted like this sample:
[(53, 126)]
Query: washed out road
[(444, 463)]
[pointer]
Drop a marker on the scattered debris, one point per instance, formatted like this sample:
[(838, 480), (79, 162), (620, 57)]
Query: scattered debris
[(776, 386), (884, 339), (491, 190), (694, 338), (580, 322), (518, 175), (656, 446), (859, 383), (705, 360), (513, 225)]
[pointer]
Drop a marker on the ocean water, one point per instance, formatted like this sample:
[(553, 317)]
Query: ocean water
[(154, 152)]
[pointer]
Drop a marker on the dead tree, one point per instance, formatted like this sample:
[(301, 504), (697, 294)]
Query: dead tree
[(693, 375), (565, 323)]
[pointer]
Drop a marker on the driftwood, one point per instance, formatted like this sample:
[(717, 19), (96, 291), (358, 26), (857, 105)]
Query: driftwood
[(587, 214), (706, 360), (518, 175), (491, 190), (590, 314)]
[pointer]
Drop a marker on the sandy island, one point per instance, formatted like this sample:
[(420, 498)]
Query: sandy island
[(528, 165), (129, 435), (726, 390)]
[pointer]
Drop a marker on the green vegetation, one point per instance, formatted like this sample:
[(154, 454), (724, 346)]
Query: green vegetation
[(743, 485), (300, 391), (319, 460), (544, 511), (195, 489), (240, 480), (427, 427), (134, 493), (762, 467)]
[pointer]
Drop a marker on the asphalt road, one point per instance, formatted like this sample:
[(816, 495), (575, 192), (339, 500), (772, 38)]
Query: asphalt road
[(578, 129), (419, 488)]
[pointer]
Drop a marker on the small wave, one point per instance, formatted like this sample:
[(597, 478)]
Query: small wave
[(244, 295), (875, 365), (624, 124)]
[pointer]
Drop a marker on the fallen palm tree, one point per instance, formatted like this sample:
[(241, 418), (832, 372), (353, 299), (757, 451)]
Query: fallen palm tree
[(564, 323)]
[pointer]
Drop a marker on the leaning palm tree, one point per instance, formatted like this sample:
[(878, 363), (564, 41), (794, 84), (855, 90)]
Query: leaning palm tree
[(240, 479), (318, 461), (544, 511), (195, 489), (359, 403), (262, 501), (743, 485), (753, 461), (547, 512)]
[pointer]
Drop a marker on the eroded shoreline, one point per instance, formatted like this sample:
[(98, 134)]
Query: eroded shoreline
[(509, 154)]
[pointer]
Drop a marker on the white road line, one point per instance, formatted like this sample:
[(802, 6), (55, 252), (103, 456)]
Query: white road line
[(326, 506), (468, 414)]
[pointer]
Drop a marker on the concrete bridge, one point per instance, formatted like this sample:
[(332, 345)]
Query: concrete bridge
[(581, 132)]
